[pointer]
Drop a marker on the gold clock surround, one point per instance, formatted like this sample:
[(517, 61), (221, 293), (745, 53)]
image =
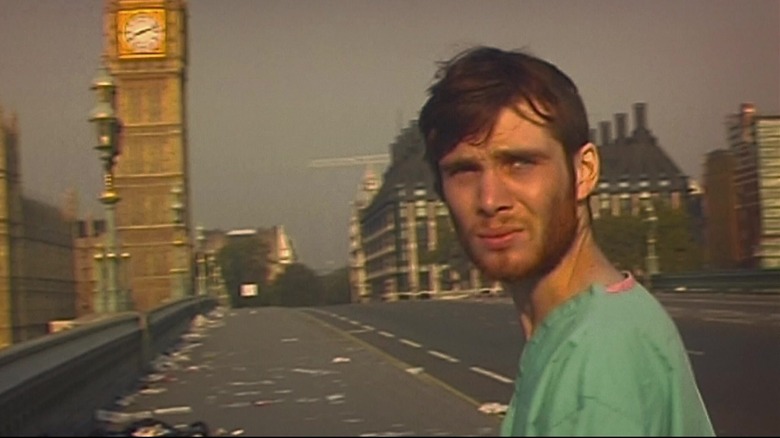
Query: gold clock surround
[(151, 27)]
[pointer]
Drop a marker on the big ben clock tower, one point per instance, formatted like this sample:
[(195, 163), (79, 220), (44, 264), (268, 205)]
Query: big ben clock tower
[(146, 51)]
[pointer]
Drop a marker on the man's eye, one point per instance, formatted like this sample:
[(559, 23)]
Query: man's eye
[(519, 164), (460, 170)]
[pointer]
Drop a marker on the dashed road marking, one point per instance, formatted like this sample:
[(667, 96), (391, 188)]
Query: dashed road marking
[(368, 327), (443, 356), (491, 374), (386, 334), (409, 343)]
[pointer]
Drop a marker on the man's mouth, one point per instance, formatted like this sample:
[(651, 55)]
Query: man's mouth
[(497, 239)]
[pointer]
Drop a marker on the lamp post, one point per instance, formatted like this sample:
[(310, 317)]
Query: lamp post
[(651, 261), (179, 270), (201, 260), (110, 294)]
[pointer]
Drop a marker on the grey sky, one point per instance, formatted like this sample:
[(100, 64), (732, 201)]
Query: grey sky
[(275, 84)]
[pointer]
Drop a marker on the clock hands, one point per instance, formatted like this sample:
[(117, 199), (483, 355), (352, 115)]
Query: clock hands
[(140, 32)]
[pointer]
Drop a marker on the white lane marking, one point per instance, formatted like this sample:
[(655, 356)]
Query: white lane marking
[(409, 343), (491, 374), (368, 327), (443, 356), (727, 320), (695, 352), (353, 322), (386, 334)]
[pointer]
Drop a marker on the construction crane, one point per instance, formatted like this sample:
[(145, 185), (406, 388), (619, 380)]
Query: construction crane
[(370, 181), (355, 160)]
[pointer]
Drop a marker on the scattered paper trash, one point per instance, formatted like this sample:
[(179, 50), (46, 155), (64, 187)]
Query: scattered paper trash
[(334, 397), (493, 408), (340, 359), (173, 410), (265, 402)]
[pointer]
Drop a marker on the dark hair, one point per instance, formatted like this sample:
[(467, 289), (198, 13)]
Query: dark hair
[(473, 87)]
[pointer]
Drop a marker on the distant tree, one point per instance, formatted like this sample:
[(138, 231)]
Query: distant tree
[(624, 240), (336, 288), (677, 246), (243, 260), (297, 286)]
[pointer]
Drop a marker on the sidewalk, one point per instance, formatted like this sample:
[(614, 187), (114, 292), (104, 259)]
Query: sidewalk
[(282, 372)]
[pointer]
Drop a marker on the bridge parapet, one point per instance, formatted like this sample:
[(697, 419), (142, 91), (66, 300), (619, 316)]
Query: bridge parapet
[(53, 385)]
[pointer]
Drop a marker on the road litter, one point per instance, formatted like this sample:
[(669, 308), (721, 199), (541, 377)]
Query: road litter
[(415, 370), (311, 372), (236, 405), (152, 391), (237, 432), (340, 359), (266, 402), (173, 410), (290, 340), (493, 408), (334, 397), (154, 427)]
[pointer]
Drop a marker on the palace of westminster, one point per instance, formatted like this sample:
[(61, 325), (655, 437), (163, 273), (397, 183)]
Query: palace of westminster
[(51, 259)]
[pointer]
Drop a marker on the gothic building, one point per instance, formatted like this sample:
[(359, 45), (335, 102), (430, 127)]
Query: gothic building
[(635, 167), (37, 283)]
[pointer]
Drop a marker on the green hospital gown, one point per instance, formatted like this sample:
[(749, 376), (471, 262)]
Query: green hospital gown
[(606, 363)]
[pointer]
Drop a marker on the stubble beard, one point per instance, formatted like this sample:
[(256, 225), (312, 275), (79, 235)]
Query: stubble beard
[(536, 259)]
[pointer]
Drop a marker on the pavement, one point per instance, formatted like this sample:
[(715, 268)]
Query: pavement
[(283, 372)]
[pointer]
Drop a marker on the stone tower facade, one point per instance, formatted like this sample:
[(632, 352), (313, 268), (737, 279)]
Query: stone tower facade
[(145, 48)]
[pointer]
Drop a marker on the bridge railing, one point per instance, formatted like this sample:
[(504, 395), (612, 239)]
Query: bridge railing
[(744, 281), (53, 385)]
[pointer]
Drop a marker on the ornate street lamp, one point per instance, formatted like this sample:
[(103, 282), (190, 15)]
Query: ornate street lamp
[(201, 260), (110, 296), (651, 260), (179, 270)]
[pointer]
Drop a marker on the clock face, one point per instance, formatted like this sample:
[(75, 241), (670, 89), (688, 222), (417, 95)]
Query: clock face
[(141, 32)]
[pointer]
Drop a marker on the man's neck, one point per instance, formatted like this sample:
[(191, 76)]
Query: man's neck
[(582, 265)]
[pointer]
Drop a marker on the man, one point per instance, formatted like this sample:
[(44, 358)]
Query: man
[(507, 137)]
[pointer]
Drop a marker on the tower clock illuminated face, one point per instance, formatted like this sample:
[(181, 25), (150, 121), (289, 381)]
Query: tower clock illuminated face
[(141, 32)]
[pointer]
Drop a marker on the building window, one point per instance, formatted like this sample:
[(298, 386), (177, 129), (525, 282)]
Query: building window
[(625, 205)]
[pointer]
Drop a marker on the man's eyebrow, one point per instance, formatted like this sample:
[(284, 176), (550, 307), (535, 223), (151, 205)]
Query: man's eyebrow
[(454, 163), (518, 153)]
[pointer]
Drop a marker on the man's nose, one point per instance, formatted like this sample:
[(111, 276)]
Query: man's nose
[(494, 195)]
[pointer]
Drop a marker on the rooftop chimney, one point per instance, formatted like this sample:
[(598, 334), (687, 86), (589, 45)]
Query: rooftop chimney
[(604, 133), (640, 118), (592, 135), (620, 127)]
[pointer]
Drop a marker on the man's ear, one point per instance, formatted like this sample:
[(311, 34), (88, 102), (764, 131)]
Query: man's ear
[(587, 168)]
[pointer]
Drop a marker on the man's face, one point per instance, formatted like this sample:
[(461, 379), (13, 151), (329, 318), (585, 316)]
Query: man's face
[(512, 198)]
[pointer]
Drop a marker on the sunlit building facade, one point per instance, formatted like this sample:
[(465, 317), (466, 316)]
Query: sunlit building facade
[(754, 141), (722, 246), (400, 228), (37, 284)]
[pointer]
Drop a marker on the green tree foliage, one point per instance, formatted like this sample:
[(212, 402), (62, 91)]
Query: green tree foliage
[(624, 240), (297, 286), (243, 260), (677, 248), (336, 287)]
